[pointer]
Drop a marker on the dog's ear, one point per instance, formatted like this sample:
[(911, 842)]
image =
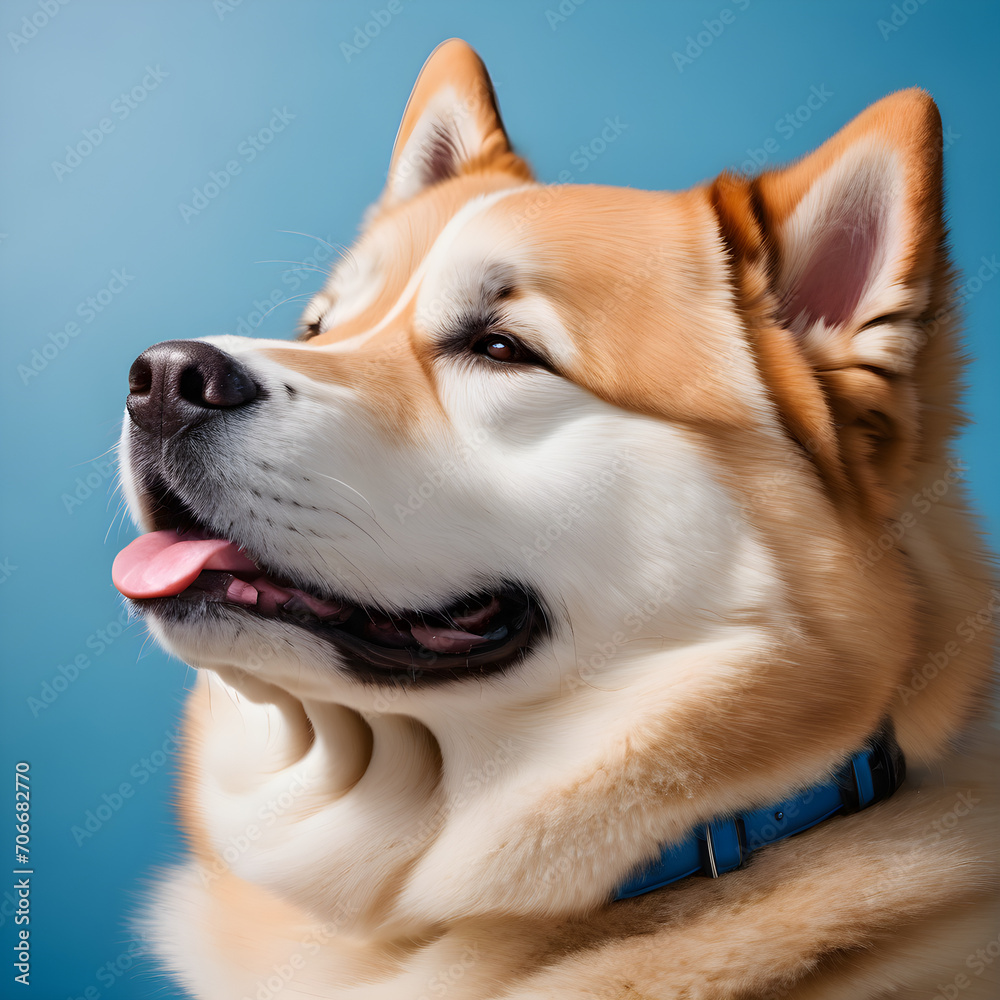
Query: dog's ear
[(451, 126), (841, 264)]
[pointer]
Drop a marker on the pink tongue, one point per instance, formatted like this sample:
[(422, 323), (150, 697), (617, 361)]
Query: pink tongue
[(163, 563), (445, 640)]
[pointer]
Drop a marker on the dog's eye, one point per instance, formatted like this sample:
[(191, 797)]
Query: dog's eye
[(502, 347), (311, 330), (499, 348)]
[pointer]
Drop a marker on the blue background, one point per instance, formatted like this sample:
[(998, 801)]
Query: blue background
[(227, 65)]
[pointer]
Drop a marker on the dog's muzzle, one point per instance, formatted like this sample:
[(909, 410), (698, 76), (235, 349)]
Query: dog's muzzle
[(177, 384), (194, 563)]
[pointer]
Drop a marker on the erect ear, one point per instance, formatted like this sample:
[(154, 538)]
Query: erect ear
[(451, 126), (841, 261)]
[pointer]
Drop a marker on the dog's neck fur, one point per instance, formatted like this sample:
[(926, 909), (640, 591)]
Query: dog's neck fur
[(837, 897)]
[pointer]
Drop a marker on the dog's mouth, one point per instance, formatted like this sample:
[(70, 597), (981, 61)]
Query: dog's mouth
[(179, 570)]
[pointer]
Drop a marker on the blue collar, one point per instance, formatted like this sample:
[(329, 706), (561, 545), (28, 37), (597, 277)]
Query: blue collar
[(722, 845)]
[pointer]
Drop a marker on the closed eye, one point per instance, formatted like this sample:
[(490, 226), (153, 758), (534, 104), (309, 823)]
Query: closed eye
[(312, 319)]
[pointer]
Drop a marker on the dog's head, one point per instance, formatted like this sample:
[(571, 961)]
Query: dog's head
[(574, 516)]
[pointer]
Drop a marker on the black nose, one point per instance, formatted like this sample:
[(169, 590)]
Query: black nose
[(180, 383)]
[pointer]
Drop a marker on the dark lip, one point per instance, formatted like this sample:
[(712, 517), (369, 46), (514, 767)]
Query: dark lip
[(525, 621), (367, 661)]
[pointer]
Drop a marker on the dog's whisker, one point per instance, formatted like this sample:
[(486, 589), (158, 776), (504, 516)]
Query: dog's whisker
[(341, 482), (299, 265), (142, 648), (122, 505), (367, 534), (122, 509), (375, 591), (106, 451), (291, 298), (338, 248)]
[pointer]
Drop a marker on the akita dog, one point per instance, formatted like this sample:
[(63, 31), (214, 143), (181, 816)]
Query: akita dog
[(586, 545)]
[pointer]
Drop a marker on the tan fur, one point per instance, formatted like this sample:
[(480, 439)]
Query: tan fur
[(674, 310)]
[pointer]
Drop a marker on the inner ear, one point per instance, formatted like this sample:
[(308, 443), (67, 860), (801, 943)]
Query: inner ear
[(445, 138), (836, 246), (451, 126), (443, 154)]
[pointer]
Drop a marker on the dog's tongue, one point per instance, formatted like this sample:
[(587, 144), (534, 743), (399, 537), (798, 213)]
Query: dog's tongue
[(163, 563)]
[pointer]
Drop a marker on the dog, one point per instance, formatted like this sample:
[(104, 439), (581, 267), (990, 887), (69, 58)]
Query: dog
[(587, 603)]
